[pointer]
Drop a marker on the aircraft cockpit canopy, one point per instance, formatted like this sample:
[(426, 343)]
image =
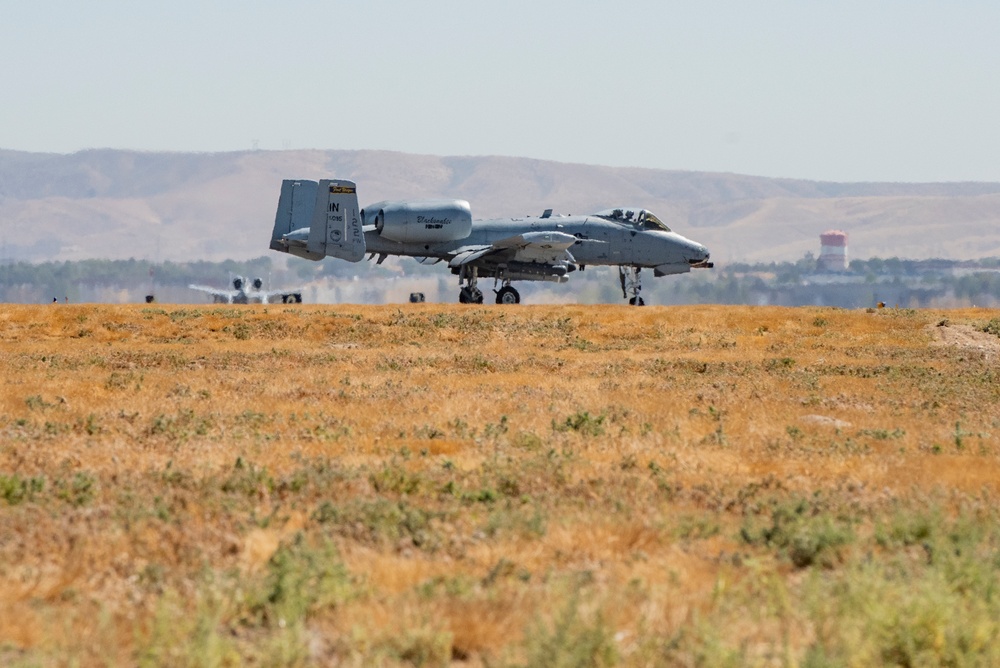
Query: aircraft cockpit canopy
[(641, 218)]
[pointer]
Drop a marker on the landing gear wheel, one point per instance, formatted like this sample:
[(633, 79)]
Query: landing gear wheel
[(636, 301), (470, 296), (508, 295), (469, 293)]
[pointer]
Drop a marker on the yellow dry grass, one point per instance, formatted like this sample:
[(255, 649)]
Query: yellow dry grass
[(543, 450)]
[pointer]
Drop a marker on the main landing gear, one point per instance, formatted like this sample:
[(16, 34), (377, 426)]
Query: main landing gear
[(631, 285), (469, 293), (508, 295)]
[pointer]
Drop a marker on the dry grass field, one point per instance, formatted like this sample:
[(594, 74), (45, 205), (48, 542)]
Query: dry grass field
[(532, 486)]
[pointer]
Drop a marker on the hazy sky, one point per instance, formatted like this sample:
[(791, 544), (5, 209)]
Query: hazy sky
[(898, 90)]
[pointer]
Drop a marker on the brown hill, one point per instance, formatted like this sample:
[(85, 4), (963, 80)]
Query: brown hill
[(178, 206)]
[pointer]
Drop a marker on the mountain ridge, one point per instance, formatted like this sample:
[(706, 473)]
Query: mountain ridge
[(111, 203)]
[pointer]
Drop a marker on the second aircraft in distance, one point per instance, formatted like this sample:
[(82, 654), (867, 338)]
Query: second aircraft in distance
[(246, 291)]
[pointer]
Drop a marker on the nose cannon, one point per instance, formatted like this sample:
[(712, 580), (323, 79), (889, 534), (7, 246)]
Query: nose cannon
[(701, 260), (697, 255)]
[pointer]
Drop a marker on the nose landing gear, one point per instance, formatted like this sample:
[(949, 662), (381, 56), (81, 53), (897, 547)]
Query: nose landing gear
[(631, 285)]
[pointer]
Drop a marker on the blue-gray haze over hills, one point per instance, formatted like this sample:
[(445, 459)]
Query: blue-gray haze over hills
[(188, 206)]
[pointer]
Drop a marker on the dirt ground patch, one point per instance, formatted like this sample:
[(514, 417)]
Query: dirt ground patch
[(966, 337)]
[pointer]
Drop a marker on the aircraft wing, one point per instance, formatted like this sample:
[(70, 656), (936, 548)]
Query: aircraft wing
[(467, 254), (550, 248), (218, 295)]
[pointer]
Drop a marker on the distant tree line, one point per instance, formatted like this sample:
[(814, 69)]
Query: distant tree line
[(29, 282), (891, 280), (61, 275), (911, 283)]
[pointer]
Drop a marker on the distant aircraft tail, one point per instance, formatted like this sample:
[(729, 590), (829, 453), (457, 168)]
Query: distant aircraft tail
[(315, 220)]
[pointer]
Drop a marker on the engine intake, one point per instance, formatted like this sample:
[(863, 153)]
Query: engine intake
[(429, 221)]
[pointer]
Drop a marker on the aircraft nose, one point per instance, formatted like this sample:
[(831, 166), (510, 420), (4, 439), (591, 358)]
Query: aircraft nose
[(699, 257), (696, 254), (696, 251)]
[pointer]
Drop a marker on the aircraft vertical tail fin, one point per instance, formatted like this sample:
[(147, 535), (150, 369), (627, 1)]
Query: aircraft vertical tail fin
[(293, 218), (315, 220), (336, 221)]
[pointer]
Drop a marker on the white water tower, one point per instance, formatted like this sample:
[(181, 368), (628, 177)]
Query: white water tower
[(833, 251)]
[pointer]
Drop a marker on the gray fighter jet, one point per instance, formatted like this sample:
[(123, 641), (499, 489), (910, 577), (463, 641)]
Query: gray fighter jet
[(246, 291), (319, 219)]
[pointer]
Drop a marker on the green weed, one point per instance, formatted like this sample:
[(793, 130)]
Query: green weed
[(570, 640), (14, 489), (802, 533), (78, 490), (583, 423), (992, 327), (302, 579)]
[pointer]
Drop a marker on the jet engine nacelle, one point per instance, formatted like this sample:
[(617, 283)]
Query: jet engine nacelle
[(430, 221)]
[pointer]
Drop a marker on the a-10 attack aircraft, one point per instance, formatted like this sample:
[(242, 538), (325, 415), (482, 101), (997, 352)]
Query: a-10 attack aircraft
[(319, 219), (246, 291)]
